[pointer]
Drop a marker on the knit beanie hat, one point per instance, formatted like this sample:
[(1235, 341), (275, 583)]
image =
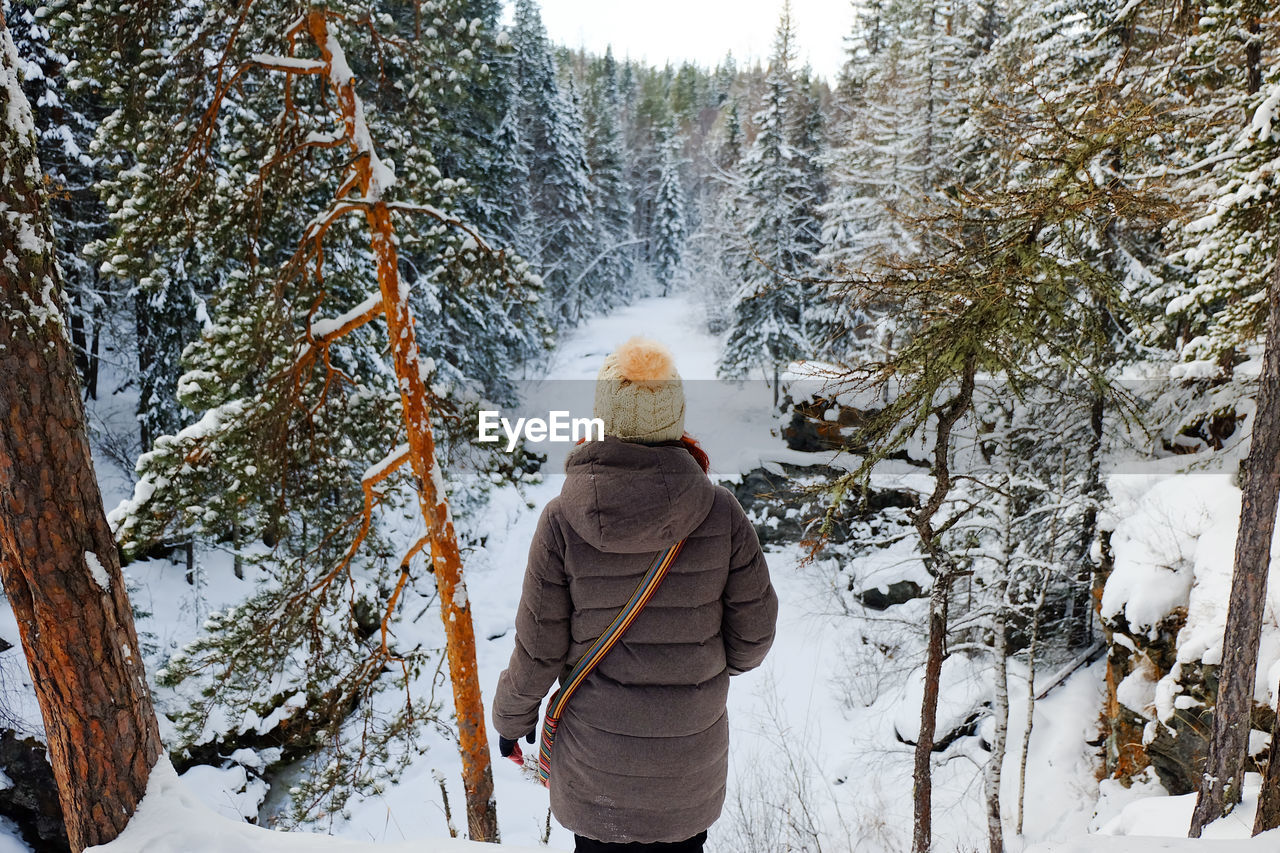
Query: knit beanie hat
[(639, 395)]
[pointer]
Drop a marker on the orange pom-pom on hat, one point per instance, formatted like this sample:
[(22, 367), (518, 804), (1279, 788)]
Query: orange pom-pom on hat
[(644, 360), (639, 395)]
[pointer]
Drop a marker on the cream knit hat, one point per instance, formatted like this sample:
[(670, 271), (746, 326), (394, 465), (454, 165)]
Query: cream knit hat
[(639, 395)]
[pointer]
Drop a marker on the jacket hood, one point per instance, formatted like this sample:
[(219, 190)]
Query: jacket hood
[(623, 497)]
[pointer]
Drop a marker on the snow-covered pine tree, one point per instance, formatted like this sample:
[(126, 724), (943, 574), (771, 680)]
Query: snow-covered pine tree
[(559, 228), (863, 164), (729, 150), (295, 424), (578, 244), (900, 91), (688, 93), (669, 218), (610, 195), (647, 113), (871, 167), (807, 141), (710, 256), (724, 77), (511, 171), (459, 74), (472, 97), (66, 114), (169, 273), (1220, 308), (769, 309)]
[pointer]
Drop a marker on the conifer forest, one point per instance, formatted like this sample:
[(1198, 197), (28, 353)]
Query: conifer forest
[(982, 331)]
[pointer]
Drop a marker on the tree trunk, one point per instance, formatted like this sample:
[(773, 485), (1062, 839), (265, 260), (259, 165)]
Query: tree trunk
[(146, 358), (79, 339), (1224, 769), (1082, 594), (1031, 701), (1253, 47), (1000, 711), (94, 359), (922, 773), (446, 559), (1000, 655), (1268, 815), (58, 560)]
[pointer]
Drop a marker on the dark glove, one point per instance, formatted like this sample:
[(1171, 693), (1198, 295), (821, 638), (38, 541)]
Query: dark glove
[(511, 748)]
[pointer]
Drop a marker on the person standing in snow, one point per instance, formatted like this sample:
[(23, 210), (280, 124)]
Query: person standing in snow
[(641, 753)]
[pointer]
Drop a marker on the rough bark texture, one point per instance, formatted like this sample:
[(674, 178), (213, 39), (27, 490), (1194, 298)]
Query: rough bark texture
[(1268, 814), (446, 559), (1224, 769), (943, 570), (922, 774), (58, 560)]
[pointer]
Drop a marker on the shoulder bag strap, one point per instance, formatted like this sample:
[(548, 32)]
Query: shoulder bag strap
[(606, 641)]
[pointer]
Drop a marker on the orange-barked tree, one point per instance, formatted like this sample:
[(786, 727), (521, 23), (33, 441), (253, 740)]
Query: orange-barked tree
[(318, 412)]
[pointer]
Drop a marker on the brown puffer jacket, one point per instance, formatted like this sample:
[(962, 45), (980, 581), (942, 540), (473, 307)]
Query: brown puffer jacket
[(643, 747)]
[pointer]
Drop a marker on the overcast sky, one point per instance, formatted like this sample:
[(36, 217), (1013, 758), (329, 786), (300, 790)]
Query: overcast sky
[(699, 30)]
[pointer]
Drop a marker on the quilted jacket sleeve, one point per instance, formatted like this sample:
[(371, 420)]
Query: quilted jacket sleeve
[(750, 604), (542, 634)]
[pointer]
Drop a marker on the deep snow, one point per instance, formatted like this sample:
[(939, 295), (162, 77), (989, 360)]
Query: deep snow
[(815, 758)]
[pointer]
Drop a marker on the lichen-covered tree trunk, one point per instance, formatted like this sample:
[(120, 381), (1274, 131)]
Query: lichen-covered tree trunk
[(446, 559), (1224, 768), (58, 560)]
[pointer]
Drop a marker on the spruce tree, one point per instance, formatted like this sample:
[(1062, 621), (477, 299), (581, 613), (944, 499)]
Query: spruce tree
[(769, 309), (558, 234), (610, 195), (66, 114), (669, 217), (1220, 308)]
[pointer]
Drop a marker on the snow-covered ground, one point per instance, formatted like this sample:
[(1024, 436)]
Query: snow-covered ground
[(816, 760)]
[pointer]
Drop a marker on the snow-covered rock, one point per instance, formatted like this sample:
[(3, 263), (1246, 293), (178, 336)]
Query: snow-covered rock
[(964, 687), (1165, 609)]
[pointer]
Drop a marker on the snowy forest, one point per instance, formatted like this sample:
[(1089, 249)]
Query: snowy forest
[(983, 333)]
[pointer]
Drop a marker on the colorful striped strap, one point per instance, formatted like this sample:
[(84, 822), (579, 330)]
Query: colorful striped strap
[(648, 586)]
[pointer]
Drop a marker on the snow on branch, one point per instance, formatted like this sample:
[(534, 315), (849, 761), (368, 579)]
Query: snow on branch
[(288, 64), (328, 328), (382, 469), (444, 218), (380, 175)]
